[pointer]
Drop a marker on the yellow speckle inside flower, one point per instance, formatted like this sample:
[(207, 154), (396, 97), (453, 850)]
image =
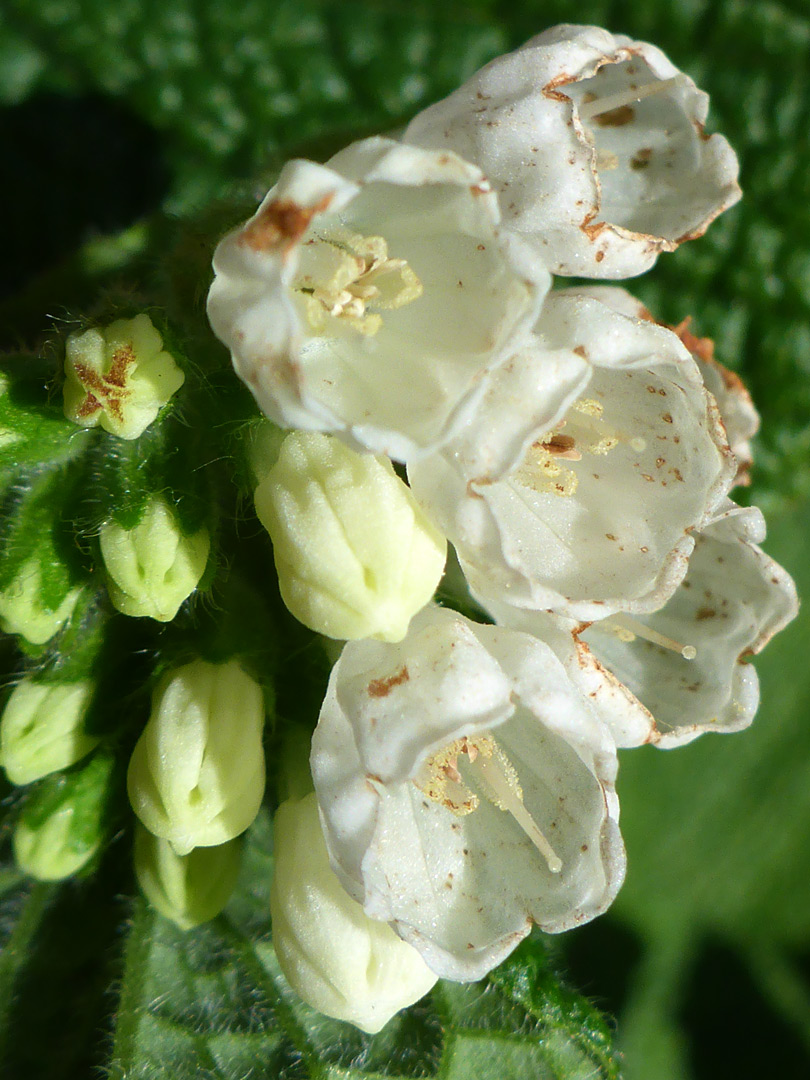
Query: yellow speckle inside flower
[(343, 275), (493, 775), (583, 431)]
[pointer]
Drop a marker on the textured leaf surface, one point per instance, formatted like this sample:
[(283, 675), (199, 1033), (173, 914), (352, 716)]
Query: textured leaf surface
[(214, 1003)]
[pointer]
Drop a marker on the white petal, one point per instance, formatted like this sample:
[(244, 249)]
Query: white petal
[(737, 411), (733, 599), (600, 193), (629, 722), (615, 534)]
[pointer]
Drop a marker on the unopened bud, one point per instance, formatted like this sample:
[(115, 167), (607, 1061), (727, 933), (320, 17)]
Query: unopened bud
[(356, 556), (61, 828), (153, 567), (196, 776), (333, 955), (188, 889), (119, 377), (27, 609), (42, 729)]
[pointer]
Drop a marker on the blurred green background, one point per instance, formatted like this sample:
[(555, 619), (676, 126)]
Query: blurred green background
[(115, 111)]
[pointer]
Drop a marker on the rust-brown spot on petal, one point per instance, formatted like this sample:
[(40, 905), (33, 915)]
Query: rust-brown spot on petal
[(625, 114), (281, 224), (382, 687)]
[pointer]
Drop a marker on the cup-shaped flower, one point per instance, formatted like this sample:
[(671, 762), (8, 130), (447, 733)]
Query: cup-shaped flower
[(29, 606), (188, 889), (596, 145), (368, 297), (42, 728), (466, 790), (737, 411), (63, 825), (687, 663), (119, 377), (153, 566), (355, 554), (581, 501), (196, 776), (334, 956)]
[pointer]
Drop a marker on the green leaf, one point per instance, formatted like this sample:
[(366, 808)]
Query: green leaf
[(213, 1002)]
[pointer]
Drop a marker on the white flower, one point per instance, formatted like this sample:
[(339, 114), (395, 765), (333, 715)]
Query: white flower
[(596, 146), (582, 500), (356, 556), (153, 567), (334, 956), (119, 377), (687, 662), (196, 776), (466, 790), (369, 296), (737, 411)]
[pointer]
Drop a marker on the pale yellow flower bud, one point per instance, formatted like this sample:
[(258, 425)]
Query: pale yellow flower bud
[(153, 568), (42, 729), (119, 377), (356, 556), (188, 889), (23, 609), (196, 776), (333, 955)]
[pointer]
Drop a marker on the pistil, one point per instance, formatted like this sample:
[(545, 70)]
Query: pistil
[(589, 110), (494, 776), (627, 629)]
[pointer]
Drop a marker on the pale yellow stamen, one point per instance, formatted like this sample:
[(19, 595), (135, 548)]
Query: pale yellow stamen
[(627, 629), (494, 776), (343, 275), (585, 433), (590, 109)]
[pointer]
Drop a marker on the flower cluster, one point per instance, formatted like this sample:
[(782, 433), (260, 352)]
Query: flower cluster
[(578, 454)]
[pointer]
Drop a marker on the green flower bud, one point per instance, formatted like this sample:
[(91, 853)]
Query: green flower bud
[(152, 568), (334, 956), (119, 377), (42, 729), (356, 557), (24, 606), (196, 777), (188, 889), (61, 828)]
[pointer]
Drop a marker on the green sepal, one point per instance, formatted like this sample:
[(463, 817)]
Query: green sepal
[(34, 433), (42, 567)]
